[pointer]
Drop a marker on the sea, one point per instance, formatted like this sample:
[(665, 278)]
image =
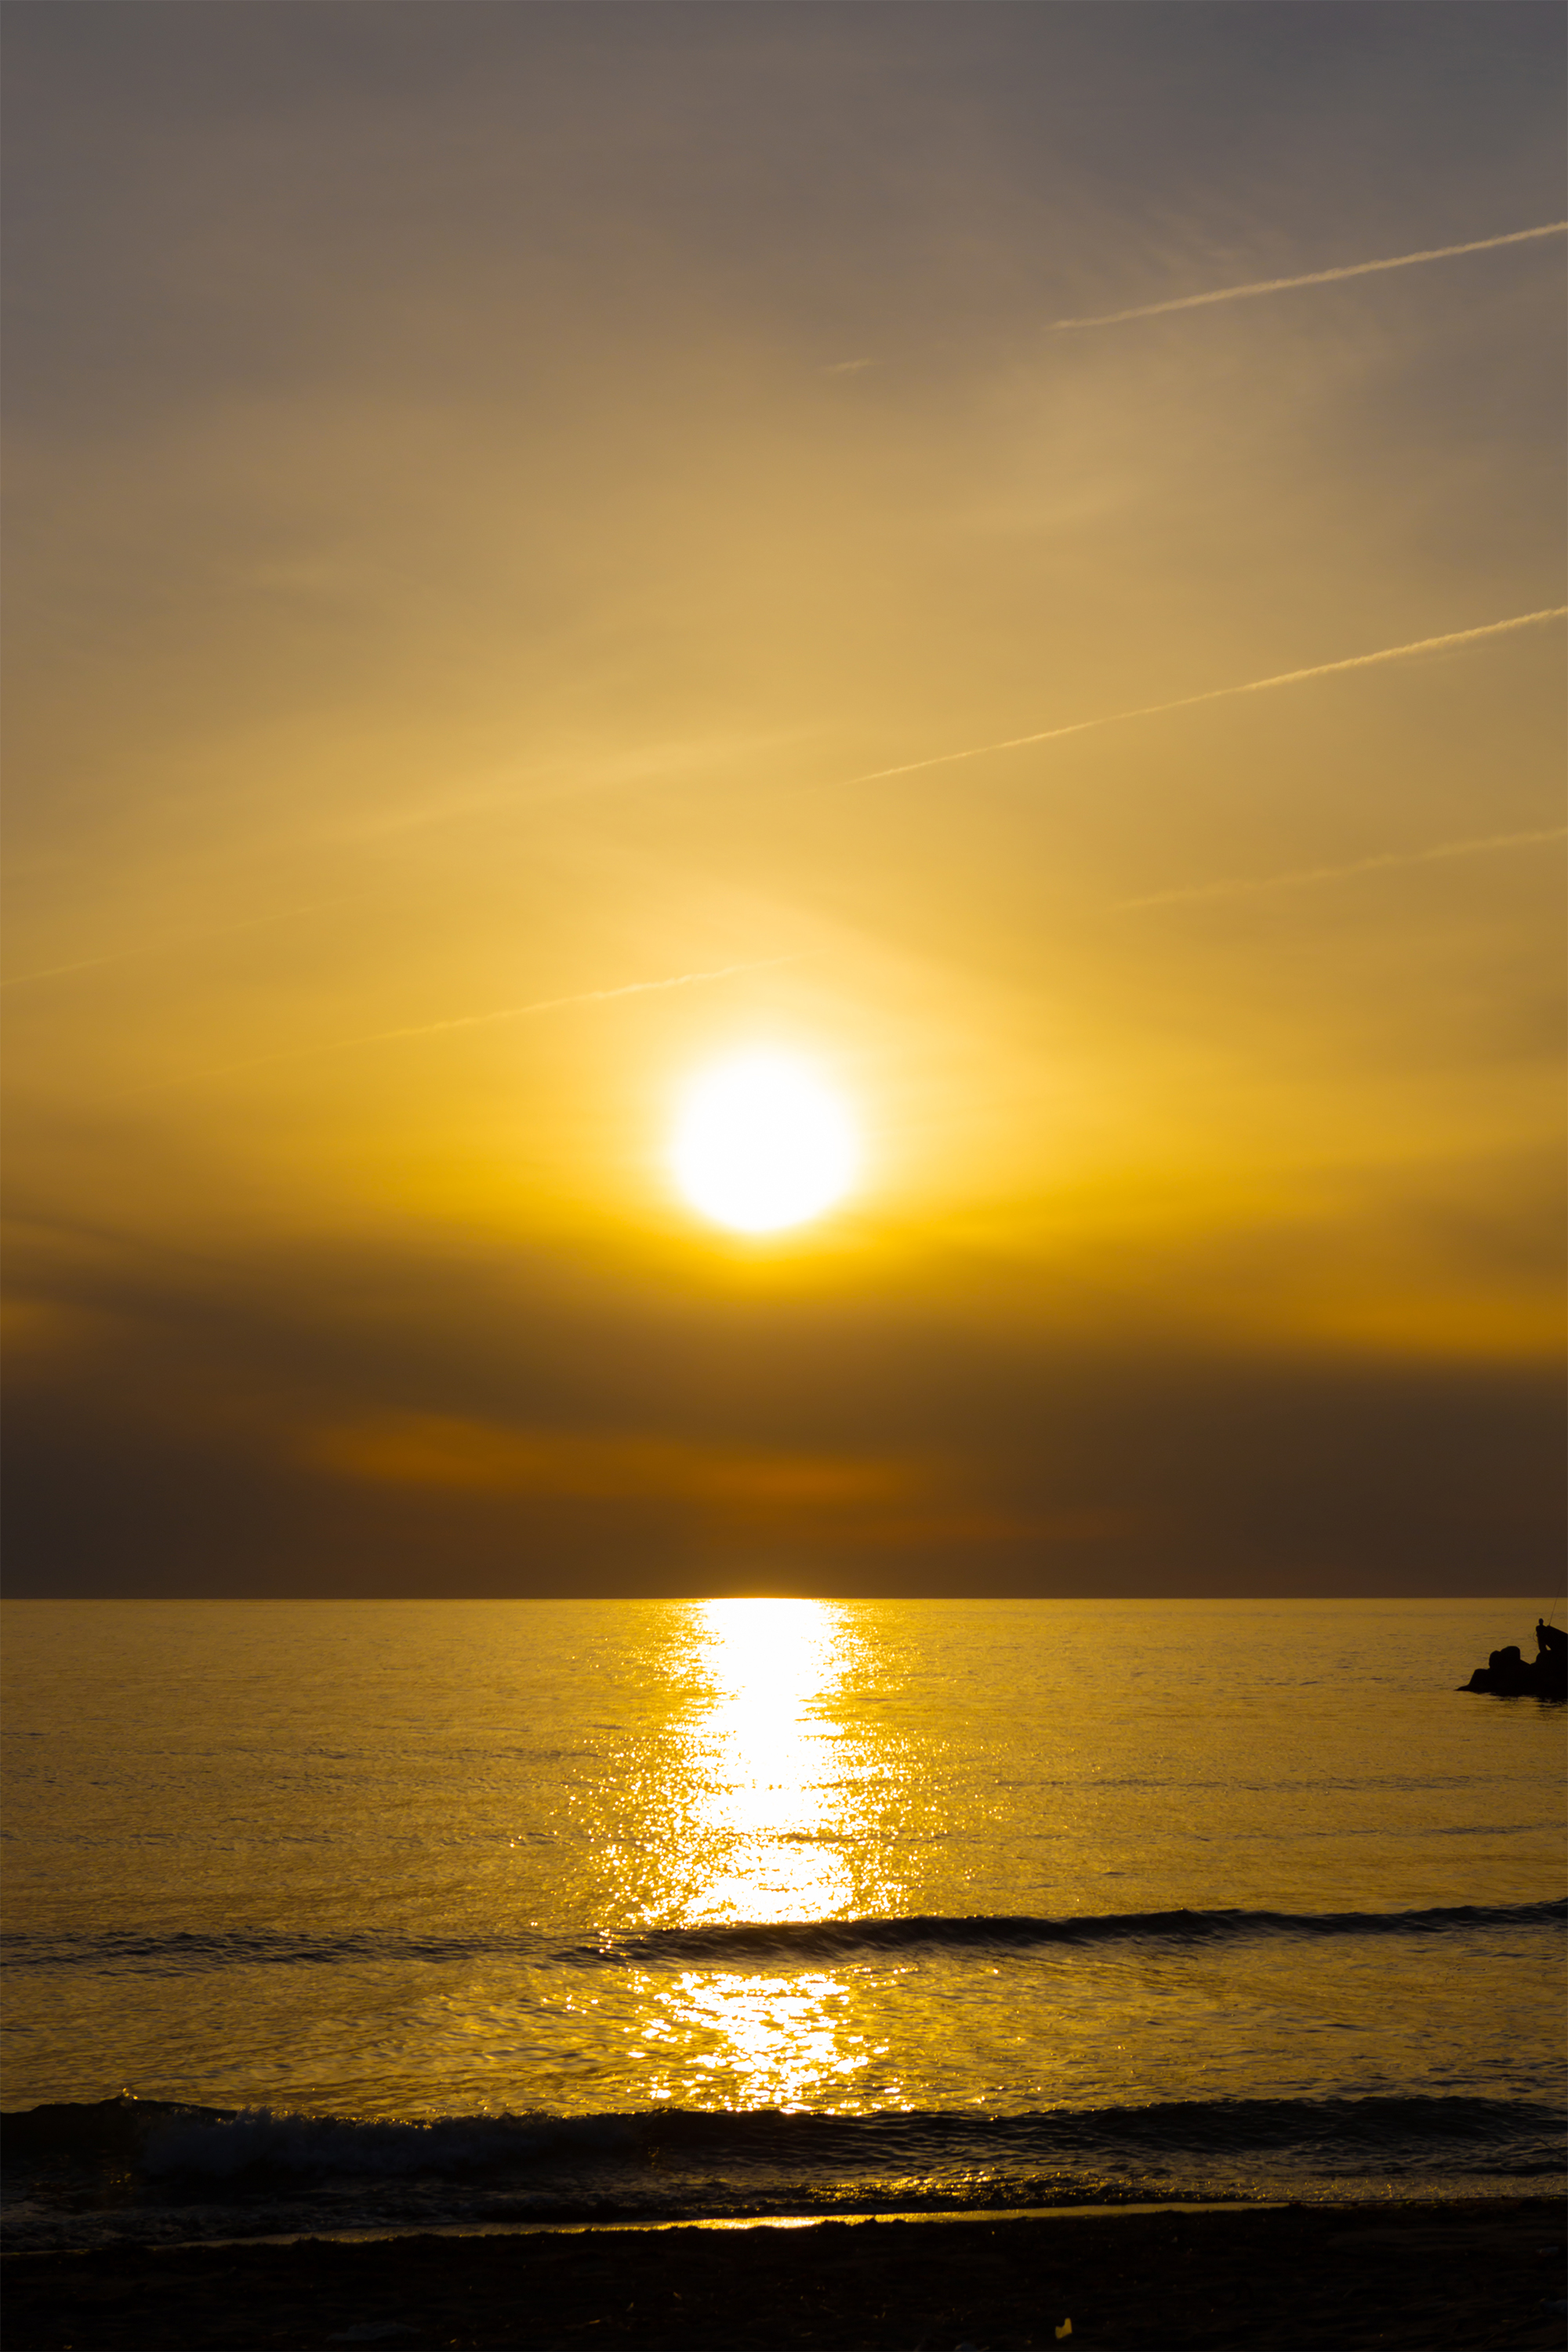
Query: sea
[(330, 1917)]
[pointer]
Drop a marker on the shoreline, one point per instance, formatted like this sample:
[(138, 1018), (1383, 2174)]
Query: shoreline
[(1425, 2274), (988, 2213)]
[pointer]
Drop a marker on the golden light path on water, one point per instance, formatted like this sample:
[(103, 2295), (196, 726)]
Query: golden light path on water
[(772, 1807), (765, 1762)]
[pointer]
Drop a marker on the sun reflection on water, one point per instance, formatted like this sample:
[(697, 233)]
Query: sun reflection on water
[(764, 1761), (775, 1775), (760, 2040)]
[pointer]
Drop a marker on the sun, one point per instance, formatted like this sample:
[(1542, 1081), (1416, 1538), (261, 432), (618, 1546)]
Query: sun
[(760, 1142)]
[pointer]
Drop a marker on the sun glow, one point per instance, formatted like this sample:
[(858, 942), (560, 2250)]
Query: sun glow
[(761, 1143)]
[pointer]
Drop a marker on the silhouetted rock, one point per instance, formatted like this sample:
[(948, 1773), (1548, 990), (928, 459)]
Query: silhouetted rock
[(1506, 1674)]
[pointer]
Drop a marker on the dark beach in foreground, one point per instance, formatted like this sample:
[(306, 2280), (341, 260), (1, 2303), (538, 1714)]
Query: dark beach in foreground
[(1316, 2277)]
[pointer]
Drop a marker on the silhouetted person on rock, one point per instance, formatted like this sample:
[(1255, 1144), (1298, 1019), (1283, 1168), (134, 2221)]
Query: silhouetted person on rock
[(1551, 1660)]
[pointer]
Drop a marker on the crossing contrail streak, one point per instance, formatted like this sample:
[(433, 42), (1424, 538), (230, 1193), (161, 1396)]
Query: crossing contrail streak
[(1240, 886), (556, 1003), (175, 941), (1312, 277), (463, 1021), (1219, 694)]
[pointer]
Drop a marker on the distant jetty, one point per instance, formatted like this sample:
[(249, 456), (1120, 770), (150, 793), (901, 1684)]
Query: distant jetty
[(1509, 1675)]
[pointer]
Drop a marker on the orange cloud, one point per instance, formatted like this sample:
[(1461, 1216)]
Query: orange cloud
[(479, 1458), (879, 1502)]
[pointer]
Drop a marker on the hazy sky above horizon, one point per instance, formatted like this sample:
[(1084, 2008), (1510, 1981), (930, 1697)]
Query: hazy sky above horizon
[(515, 508)]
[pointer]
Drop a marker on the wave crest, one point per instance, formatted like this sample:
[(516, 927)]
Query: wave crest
[(725, 1943)]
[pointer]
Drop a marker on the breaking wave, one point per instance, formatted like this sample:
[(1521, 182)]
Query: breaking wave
[(726, 1944), (166, 2139), (150, 2171)]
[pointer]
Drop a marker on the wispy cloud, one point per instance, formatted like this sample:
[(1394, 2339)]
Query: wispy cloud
[(1310, 278), (1238, 886), (1219, 694), (464, 1020)]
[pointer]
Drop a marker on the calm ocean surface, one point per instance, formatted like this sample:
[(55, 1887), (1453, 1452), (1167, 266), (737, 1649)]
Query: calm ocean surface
[(425, 1914)]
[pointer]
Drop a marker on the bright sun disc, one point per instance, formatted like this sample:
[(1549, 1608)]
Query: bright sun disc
[(760, 1142)]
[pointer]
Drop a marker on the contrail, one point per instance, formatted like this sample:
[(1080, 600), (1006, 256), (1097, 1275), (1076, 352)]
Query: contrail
[(1219, 694), (463, 1021), (1241, 884), (1312, 277), (555, 1004), (177, 939)]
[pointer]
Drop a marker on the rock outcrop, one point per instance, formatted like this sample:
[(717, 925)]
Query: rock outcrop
[(1509, 1675)]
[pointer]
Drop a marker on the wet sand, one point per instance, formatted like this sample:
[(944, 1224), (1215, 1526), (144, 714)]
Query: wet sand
[(1320, 2278)]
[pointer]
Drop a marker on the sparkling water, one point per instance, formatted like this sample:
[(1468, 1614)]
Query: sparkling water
[(403, 1913)]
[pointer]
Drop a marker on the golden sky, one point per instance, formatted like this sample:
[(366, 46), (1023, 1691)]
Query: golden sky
[(553, 545)]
